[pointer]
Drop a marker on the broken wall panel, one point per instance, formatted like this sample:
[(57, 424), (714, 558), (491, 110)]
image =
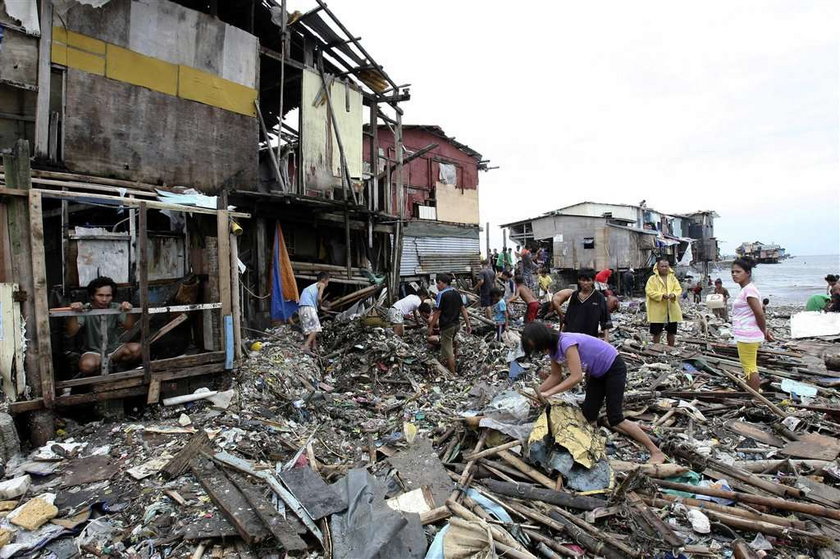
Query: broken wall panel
[(18, 58), (456, 204), (166, 258), (116, 129), (17, 115), (320, 155)]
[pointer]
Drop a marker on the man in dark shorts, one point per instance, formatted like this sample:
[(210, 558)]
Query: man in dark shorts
[(587, 310), (486, 282), (102, 332), (448, 311), (524, 292)]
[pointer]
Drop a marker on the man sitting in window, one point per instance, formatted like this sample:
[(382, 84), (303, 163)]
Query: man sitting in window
[(99, 329)]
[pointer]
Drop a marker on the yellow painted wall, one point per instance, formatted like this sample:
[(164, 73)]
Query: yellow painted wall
[(117, 63), (130, 67), (456, 205), (212, 90)]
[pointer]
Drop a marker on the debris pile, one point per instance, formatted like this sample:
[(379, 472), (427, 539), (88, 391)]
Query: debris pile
[(373, 449)]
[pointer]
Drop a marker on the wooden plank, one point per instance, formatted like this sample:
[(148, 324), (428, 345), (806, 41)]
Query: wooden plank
[(154, 392), (209, 369), (754, 432), (143, 275), (813, 446), (119, 201), (39, 294), (229, 500), (223, 241), (188, 361), (235, 307), (42, 103), (17, 215), (281, 528), (181, 461)]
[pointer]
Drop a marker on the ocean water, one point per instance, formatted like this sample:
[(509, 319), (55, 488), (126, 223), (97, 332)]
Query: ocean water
[(789, 282)]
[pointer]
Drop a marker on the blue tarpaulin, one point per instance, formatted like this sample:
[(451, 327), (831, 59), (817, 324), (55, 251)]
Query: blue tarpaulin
[(282, 308)]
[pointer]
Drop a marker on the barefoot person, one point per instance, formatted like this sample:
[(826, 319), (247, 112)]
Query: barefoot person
[(449, 308), (606, 375), (749, 326), (524, 292), (103, 329), (662, 293), (310, 299)]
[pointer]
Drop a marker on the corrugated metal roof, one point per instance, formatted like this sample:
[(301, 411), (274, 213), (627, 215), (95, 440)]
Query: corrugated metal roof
[(432, 255)]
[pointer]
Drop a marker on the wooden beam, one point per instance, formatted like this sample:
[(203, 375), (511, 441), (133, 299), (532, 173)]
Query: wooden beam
[(236, 298), (223, 240), (42, 102), (128, 202), (40, 291), (143, 275)]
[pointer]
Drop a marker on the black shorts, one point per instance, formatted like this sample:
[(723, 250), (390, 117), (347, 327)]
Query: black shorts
[(486, 300), (609, 387), (657, 327)]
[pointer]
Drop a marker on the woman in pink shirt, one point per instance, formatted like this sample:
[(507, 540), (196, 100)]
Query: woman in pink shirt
[(749, 325)]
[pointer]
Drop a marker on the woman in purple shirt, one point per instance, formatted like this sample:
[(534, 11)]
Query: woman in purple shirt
[(606, 375)]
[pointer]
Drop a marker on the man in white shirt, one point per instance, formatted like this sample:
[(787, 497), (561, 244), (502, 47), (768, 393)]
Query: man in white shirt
[(405, 306)]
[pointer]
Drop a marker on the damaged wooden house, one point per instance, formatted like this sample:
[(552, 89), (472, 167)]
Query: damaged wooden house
[(619, 236), (142, 141)]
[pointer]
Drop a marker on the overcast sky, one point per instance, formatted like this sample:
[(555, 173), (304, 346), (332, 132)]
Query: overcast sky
[(731, 106)]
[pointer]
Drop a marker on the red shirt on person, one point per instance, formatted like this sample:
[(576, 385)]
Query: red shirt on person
[(603, 276)]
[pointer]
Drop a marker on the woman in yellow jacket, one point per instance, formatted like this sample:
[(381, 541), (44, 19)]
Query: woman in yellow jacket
[(662, 294)]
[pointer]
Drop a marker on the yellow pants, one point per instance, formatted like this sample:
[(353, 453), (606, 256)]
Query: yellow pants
[(748, 354)]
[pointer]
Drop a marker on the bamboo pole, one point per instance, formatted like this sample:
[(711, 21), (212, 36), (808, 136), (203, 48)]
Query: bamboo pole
[(467, 473), (666, 500), (777, 503), (531, 472), (492, 451)]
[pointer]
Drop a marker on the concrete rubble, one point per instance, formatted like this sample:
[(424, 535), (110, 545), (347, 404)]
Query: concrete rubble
[(372, 449)]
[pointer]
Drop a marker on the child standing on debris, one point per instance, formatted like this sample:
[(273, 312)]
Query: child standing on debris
[(449, 307), (500, 314), (721, 290), (606, 376), (749, 325), (310, 298), (524, 292)]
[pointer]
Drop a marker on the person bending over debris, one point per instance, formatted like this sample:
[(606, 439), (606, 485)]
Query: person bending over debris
[(524, 292), (587, 307), (749, 326), (606, 375), (404, 307), (105, 328), (662, 293), (310, 298), (448, 309)]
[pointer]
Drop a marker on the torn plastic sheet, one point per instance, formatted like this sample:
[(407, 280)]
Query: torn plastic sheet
[(26, 12), (369, 528), (448, 173), (800, 389)]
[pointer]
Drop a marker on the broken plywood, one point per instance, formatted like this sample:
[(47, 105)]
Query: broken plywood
[(813, 446)]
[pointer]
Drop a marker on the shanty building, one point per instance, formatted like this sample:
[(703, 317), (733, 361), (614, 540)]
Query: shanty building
[(439, 204), (617, 236), (141, 140)]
